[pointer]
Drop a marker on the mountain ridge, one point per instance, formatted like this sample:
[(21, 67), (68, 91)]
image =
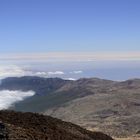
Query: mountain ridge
[(96, 104)]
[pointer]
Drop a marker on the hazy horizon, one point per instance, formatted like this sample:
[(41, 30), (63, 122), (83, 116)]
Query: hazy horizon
[(104, 69), (70, 39)]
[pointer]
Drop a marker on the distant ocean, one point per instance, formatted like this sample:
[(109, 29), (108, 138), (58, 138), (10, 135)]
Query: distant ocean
[(113, 70)]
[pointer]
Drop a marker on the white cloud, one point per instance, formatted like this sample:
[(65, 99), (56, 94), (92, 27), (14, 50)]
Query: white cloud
[(76, 72), (42, 74), (71, 79), (16, 71), (12, 70), (56, 73), (8, 98)]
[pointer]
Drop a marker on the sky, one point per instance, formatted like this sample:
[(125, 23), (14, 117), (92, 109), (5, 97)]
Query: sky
[(36, 26)]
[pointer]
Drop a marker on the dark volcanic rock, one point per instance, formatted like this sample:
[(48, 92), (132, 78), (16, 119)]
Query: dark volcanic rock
[(29, 126), (3, 132)]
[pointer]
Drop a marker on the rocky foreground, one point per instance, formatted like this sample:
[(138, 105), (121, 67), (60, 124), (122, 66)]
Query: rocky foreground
[(30, 126)]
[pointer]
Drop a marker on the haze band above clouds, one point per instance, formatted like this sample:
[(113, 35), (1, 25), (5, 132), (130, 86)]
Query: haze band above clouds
[(72, 56)]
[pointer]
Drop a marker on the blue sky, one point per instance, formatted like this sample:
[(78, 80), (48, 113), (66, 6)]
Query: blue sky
[(69, 25)]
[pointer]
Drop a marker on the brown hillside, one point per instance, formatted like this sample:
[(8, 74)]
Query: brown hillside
[(30, 126)]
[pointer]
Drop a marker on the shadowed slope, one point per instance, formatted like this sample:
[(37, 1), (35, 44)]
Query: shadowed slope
[(31, 126)]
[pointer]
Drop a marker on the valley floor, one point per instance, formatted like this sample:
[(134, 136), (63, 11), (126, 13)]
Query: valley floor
[(130, 138)]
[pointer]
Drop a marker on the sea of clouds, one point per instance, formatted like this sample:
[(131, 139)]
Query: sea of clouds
[(8, 98)]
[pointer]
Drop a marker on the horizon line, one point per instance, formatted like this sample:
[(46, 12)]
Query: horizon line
[(71, 56)]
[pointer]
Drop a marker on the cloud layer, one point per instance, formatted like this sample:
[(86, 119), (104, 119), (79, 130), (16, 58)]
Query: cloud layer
[(8, 98), (17, 71), (76, 72), (13, 70), (56, 73)]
